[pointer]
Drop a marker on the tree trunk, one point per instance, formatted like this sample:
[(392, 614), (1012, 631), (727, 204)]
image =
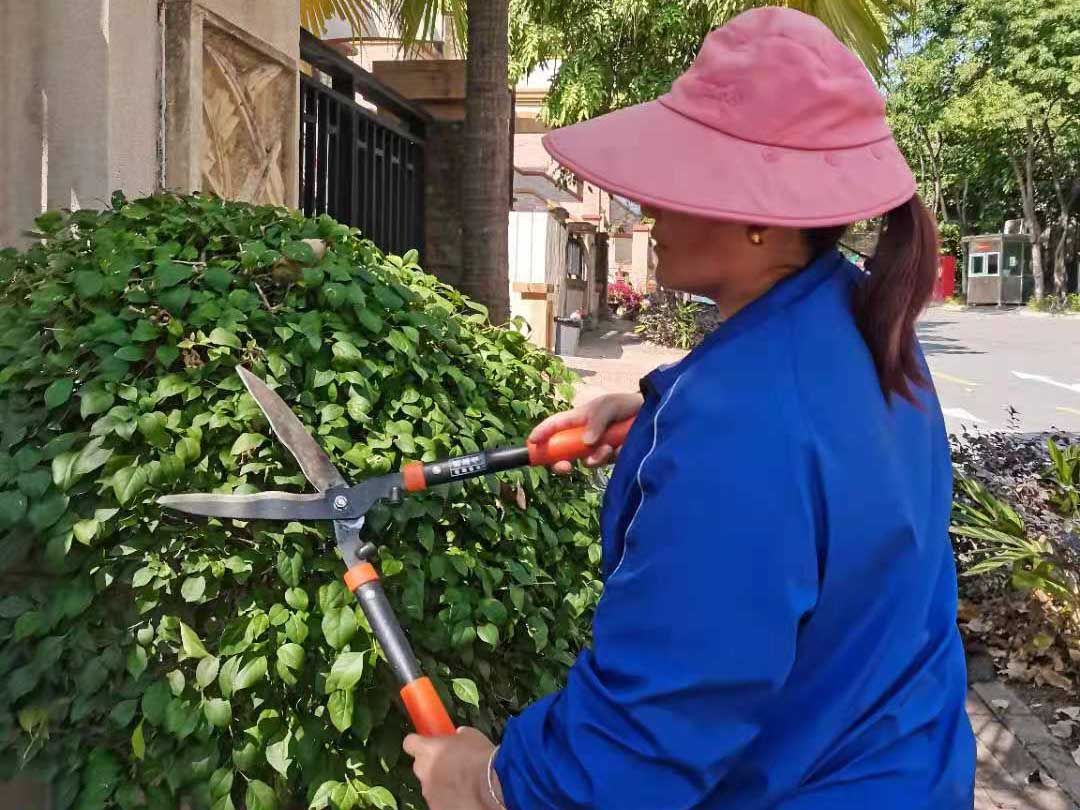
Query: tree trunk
[(485, 203), (1061, 278), (1026, 182)]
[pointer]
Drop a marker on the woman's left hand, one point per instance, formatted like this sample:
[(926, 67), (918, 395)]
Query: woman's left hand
[(453, 770)]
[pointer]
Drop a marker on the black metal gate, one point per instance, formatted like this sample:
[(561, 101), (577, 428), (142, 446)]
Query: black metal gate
[(358, 165)]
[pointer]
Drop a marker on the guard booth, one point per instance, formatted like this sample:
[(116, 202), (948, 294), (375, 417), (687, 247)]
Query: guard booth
[(998, 269)]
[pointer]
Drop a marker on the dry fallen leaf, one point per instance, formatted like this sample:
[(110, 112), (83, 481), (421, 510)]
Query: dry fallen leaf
[(978, 625), (1047, 675), (1062, 729), (1000, 705), (1018, 670), (1072, 712)]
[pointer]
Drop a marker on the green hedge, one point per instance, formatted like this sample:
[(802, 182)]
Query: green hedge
[(151, 661)]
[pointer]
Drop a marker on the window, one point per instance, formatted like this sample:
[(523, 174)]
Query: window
[(575, 260), (984, 264)]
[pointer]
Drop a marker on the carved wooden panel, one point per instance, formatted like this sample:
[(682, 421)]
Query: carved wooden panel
[(248, 112)]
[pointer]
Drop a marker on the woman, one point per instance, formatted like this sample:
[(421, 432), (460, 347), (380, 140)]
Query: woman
[(777, 628)]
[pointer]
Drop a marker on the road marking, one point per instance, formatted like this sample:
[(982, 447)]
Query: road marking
[(1075, 387), (961, 414), (950, 378), (610, 333), (1067, 410)]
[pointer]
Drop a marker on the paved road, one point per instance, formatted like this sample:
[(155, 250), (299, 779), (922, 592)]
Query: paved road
[(987, 360), (983, 361)]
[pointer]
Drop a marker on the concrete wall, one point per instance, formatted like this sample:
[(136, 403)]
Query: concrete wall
[(275, 22), (79, 107)]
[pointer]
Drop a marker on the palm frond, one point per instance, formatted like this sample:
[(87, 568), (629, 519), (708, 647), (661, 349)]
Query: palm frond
[(357, 13)]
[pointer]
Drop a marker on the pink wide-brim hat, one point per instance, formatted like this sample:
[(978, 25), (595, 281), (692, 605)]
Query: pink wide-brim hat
[(775, 123)]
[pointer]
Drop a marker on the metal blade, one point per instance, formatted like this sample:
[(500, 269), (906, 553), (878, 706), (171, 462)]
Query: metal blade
[(291, 432), (261, 506)]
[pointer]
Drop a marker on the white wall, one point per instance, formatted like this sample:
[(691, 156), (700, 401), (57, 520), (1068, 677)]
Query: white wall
[(78, 107)]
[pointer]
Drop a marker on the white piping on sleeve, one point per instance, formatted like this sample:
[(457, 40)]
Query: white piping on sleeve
[(637, 476)]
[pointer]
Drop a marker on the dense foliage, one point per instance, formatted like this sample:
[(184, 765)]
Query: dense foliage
[(1016, 531), (985, 102), (677, 324), (152, 661), (613, 54)]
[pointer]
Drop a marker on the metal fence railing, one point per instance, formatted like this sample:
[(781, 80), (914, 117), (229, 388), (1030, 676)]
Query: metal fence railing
[(361, 166)]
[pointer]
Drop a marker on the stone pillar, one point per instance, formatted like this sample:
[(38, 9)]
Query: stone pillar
[(79, 106), (639, 270), (602, 264), (232, 105)]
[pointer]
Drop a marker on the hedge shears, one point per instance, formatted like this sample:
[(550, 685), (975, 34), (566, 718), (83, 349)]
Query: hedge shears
[(346, 506)]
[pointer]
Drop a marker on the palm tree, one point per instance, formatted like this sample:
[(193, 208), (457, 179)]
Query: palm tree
[(485, 199)]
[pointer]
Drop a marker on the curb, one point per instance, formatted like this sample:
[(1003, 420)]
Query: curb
[(1037, 744)]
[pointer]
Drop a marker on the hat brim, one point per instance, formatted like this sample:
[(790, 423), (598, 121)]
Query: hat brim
[(656, 156)]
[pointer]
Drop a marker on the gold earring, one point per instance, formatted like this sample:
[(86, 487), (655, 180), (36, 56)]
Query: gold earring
[(756, 236)]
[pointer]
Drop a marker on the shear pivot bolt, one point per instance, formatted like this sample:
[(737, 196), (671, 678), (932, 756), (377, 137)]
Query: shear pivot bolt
[(341, 502)]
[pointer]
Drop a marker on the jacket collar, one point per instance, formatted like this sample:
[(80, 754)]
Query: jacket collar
[(780, 296)]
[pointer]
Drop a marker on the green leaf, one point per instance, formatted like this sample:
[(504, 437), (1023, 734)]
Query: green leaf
[(292, 655), (193, 589), (218, 712), (166, 355), (206, 671), (128, 482), (31, 623), (46, 511), (296, 598), (227, 675), (260, 796), (299, 252), (218, 278), (381, 797), (94, 400), (177, 682), (155, 701), (488, 633), (191, 643), (59, 392), (123, 712), (136, 661), (34, 484), (277, 754), (223, 337), (345, 672), (92, 456), (49, 222), (290, 568), (338, 626), (86, 530), (12, 508), (252, 673), (138, 745), (130, 353), (340, 707), (466, 691), (221, 782), (369, 320), (171, 274), (246, 442)]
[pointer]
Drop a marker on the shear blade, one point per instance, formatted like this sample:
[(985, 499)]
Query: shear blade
[(291, 432), (261, 506)]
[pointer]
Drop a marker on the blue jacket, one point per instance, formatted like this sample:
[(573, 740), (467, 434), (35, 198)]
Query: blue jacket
[(778, 622)]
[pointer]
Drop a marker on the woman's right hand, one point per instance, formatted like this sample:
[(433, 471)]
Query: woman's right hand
[(596, 414)]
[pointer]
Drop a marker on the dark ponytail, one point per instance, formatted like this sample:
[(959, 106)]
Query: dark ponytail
[(901, 278)]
